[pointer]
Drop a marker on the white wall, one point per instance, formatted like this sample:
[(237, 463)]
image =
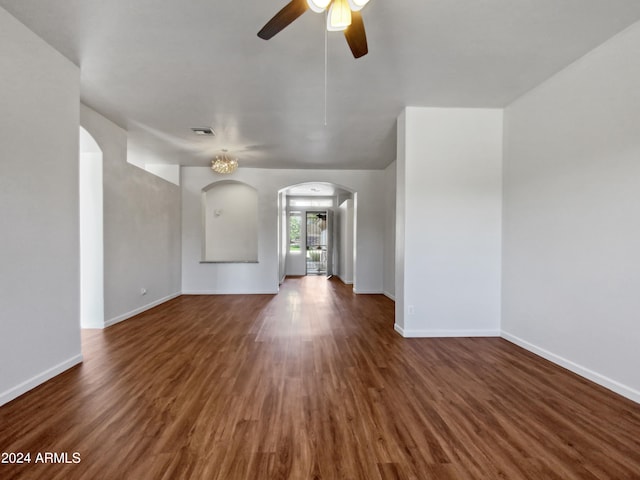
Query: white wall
[(263, 276), (345, 241), (91, 233), (39, 244), (170, 173), (401, 196), (283, 236), (141, 227), (390, 231), (450, 175), (571, 219)]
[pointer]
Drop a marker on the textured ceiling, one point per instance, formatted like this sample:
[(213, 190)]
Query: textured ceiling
[(159, 67)]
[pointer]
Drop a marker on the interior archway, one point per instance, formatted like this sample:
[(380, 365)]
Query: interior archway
[(317, 230), (91, 233)]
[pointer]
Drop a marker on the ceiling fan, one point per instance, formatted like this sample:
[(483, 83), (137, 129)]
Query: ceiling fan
[(342, 15)]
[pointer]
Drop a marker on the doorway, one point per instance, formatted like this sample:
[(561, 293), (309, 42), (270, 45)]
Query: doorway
[(318, 248), (316, 231)]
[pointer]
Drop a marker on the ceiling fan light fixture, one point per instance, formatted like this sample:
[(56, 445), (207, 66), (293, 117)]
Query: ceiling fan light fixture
[(342, 15), (319, 6), (357, 5), (339, 17)]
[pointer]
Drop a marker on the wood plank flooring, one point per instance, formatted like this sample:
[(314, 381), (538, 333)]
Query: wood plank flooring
[(313, 383)]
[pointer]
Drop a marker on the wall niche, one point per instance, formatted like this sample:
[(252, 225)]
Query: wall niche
[(230, 223)]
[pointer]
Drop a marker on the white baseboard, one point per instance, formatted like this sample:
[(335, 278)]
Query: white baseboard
[(346, 282), (367, 292), (389, 295), (595, 377), (444, 333), (39, 379), (137, 311), (225, 292)]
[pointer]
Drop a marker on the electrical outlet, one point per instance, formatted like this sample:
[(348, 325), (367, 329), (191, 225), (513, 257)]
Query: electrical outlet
[(411, 309)]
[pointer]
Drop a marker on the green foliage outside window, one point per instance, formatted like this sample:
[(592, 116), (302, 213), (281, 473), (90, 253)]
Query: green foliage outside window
[(294, 232)]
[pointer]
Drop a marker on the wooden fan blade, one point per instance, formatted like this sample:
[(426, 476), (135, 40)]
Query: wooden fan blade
[(283, 18), (356, 36)]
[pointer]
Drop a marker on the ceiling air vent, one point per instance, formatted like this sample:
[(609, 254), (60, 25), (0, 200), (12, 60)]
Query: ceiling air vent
[(204, 131)]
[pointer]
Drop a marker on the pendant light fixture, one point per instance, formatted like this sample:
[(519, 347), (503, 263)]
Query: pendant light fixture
[(224, 164)]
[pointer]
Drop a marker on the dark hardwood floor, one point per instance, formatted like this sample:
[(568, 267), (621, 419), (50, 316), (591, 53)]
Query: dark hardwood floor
[(313, 384)]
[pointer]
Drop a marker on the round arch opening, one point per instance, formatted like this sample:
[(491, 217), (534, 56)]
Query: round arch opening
[(317, 230)]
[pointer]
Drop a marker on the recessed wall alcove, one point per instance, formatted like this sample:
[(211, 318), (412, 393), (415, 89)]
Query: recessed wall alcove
[(230, 223)]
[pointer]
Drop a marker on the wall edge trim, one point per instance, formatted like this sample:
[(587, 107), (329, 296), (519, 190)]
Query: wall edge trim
[(137, 311), (229, 292), (39, 379), (576, 368), (407, 333)]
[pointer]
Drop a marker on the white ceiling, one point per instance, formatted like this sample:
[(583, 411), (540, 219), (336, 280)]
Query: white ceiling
[(159, 67), (314, 189)]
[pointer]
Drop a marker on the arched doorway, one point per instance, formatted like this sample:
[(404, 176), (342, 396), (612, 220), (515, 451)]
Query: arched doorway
[(317, 225), (91, 233)]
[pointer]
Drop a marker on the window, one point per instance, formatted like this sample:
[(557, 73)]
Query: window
[(310, 202), (295, 222)]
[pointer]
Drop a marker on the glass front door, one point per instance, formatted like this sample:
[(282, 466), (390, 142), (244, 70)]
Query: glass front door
[(317, 243)]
